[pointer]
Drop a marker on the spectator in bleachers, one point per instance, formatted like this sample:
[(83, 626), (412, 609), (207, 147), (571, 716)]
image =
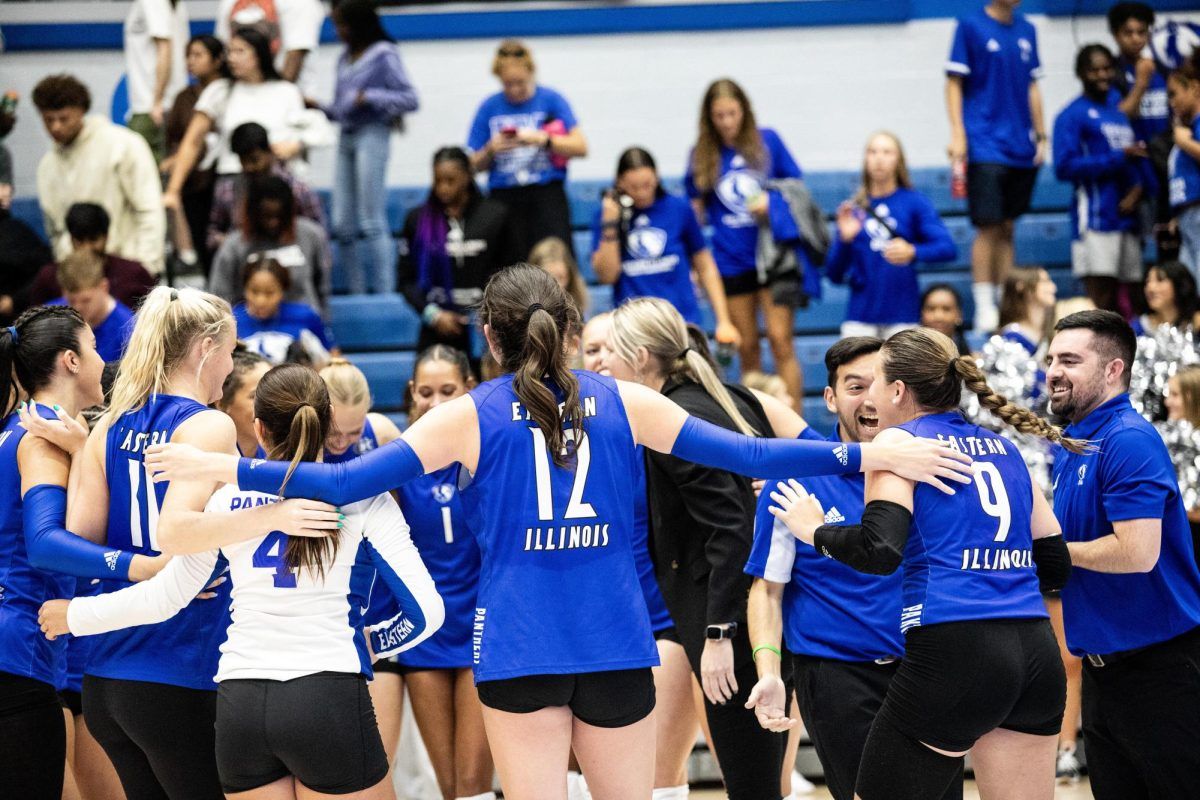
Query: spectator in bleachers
[(95, 161), (156, 34), (88, 226), (941, 309), (726, 170), (883, 232), (1095, 149), (450, 246), (22, 254), (648, 243), (250, 144), (85, 289), (1171, 298), (279, 330), (237, 396), (523, 136), (271, 229), (205, 63), (372, 95), (995, 108), (554, 255), (8, 119), (1183, 403), (292, 29), (1184, 166), (1027, 308), (772, 385)]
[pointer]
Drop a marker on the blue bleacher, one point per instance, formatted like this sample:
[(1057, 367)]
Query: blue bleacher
[(373, 322), (388, 374)]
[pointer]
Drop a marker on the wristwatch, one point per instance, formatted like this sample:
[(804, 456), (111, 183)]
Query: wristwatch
[(718, 632)]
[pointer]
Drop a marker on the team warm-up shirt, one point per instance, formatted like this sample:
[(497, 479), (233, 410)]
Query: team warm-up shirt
[(1131, 477), (558, 590), (997, 63), (734, 230), (1089, 142), (182, 651), (272, 337), (830, 610), (1183, 172), (521, 166), (969, 555), (113, 333), (365, 444), (656, 256), (1154, 114), (882, 293), (288, 623), (433, 507)]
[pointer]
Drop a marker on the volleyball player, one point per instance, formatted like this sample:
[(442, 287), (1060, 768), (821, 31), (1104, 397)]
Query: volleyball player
[(237, 396), (981, 669), (562, 642), (355, 428), (294, 718)]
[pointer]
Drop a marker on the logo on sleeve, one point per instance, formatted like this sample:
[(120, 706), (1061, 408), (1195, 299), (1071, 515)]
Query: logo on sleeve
[(833, 515), (1026, 49), (842, 454), (110, 559), (254, 462)]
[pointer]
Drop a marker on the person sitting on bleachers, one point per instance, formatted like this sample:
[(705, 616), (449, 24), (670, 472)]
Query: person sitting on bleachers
[(22, 253), (1171, 297), (450, 246), (1026, 309), (942, 310), (883, 232), (85, 289), (270, 228), (250, 144), (554, 255), (278, 330), (88, 225)]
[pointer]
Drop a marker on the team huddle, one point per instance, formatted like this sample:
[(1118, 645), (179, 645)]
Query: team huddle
[(239, 663)]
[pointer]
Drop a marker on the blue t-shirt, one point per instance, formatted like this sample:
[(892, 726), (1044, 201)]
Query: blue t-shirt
[(1132, 477), (558, 587), (969, 555), (184, 650), (1089, 142), (830, 610), (660, 617), (365, 444), (882, 293), (1154, 114), (656, 257), (272, 337), (1183, 172), (522, 166), (734, 230), (997, 63), (433, 509), (111, 335)]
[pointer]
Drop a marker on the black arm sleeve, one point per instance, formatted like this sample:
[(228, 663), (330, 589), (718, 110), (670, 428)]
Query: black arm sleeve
[(1053, 562), (876, 545)]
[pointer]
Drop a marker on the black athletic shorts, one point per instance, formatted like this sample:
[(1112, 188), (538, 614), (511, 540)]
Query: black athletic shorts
[(320, 728), (610, 699), (72, 701), (742, 283), (388, 665), (960, 680), (997, 192), (669, 634)]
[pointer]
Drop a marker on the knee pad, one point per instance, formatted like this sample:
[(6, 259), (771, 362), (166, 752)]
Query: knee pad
[(671, 793), (897, 767)]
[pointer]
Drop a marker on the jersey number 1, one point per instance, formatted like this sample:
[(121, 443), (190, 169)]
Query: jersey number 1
[(269, 555), (993, 499), (576, 508)]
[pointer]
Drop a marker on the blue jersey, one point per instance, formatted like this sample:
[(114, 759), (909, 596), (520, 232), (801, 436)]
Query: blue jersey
[(183, 650), (969, 555), (734, 230), (656, 256), (79, 648), (1132, 477), (882, 293), (272, 337), (24, 651), (997, 63), (1090, 138), (558, 590), (433, 509), (521, 166), (113, 333), (366, 443), (1154, 113), (660, 617), (1183, 174), (830, 610)]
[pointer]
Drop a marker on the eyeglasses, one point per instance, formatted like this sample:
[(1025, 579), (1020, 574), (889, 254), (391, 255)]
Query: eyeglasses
[(512, 52)]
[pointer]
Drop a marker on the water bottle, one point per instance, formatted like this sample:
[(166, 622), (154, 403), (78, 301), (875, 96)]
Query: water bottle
[(958, 179), (725, 353)]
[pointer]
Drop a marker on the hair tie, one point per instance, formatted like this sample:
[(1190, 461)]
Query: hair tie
[(174, 295), (12, 331), (535, 307), (683, 355)]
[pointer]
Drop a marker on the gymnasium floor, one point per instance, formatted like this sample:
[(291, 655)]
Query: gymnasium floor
[(1078, 792)]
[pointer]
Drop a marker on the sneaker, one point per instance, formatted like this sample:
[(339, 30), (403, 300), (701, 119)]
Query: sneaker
[(1068, 768), (801, 786)]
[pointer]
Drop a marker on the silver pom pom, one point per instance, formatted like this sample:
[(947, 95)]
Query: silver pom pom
[(1183, 442), (1160, 354)]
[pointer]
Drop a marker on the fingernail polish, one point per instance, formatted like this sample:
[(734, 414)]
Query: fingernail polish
[(58, 408)]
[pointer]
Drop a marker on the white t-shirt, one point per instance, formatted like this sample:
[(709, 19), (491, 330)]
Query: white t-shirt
[(298, 23), (276, 105), (149, 20)]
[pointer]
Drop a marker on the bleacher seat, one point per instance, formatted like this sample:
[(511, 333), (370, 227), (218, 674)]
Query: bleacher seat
[(373, 322), (817, 415), (388, 374), (28, 211), (601, 300)]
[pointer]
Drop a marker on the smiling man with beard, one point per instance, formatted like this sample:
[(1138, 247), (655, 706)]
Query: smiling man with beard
[(841, 626), (1132, 605)]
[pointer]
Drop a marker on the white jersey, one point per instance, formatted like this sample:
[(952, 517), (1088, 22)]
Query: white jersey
[(288, 623)]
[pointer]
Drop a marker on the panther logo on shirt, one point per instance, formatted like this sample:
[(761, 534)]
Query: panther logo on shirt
[(877, 230), (738, 187), (645, 241), (1082, 475), (1026, 49), (443, 493)]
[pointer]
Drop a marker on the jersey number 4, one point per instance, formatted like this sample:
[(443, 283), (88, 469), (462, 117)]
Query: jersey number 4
[(993, 498), (269, 555), (576, 508)]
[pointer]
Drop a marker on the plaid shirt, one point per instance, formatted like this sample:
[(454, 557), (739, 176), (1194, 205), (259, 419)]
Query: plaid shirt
[(229, 193)]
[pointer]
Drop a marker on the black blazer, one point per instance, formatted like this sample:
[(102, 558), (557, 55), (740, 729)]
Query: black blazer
[(702, 523)]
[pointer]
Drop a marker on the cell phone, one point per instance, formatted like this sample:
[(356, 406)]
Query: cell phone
[(508, 131)]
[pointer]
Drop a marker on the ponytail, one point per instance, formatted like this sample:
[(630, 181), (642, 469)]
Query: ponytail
[(695, 366), (543, 357)]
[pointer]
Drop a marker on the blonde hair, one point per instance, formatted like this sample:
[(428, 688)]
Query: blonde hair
[(1071, 305), (347, 384), (1019, 289), (552, 249), (656, 325), (903, 179), (169, 322), (82, 269), (1189, 392), (928, 364), (510, 52), (762, 382)]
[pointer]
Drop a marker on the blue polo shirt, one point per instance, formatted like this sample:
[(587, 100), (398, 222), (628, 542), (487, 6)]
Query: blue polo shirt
[(830, 610), (1131, 477), (997, 63)]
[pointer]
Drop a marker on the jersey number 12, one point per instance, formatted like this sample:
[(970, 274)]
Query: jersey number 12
[(576, 508)]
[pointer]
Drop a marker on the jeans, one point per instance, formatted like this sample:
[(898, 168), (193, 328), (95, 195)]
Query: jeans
[(1189, 235), (362, 242)]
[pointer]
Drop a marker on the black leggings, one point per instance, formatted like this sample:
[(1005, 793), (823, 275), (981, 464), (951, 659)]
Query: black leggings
[(535, 212), (33, 739), (160, 738)]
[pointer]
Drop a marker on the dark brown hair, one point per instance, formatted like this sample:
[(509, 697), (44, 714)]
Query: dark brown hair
[(530, 319), (706, 158), (256, 264), (244, 359), (28, 360), (56, 92)]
